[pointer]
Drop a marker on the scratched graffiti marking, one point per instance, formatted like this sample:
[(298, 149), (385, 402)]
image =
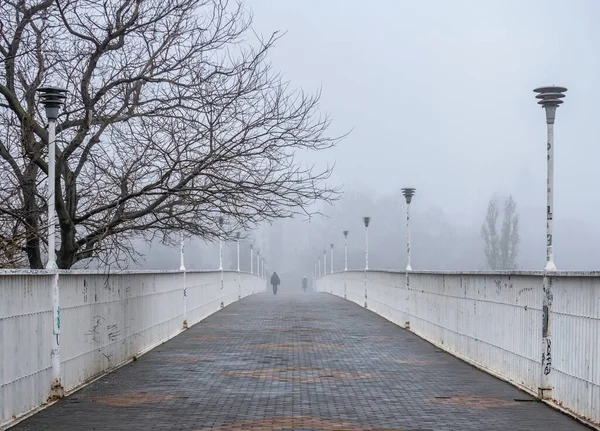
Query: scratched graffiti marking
[(113, 332), (547, 358), (94, 332)]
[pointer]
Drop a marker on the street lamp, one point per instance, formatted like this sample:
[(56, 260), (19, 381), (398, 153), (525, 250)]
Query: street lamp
[(220, 222), (319, 261), (53, 98), (550, 98), (237, 237), (331, 270), (408, 193), (345, 250), (258, 262), (367, 220)]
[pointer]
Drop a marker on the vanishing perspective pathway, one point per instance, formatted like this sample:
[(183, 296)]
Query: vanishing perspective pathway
[(303, 361)]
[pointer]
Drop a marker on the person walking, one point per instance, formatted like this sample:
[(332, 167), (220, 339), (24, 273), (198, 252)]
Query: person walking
[(304, 283), (275, 282)]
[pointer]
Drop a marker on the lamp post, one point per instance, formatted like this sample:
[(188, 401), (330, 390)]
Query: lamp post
[(331, 270), (345, 250), (408, 193), (182, 269), (550, 99), (220, 222), (237, 237), (319, 261), (53, 98), (367, 220), (258, 262)]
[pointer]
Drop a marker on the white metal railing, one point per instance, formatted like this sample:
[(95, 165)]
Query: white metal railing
[(494, 320), (105, 319)]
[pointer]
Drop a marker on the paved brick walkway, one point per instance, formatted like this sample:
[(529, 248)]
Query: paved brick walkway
[(298, 362)]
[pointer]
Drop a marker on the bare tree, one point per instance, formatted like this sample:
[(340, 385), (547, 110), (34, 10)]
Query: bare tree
[(172, 120), (501, 248)]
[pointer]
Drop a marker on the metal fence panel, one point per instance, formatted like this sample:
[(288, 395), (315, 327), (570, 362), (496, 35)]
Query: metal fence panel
[(495, 321), (106, 319)]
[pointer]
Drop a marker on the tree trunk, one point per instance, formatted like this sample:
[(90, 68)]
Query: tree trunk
[(32, 217)]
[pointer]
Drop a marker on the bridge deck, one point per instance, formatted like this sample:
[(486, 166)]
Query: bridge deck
[(292, 362)]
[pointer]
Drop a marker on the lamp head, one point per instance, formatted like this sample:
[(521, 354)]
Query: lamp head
[(408, 193), (52, 98), (550, 98)]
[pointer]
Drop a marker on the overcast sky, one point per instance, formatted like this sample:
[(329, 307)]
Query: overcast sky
[(439, 94)]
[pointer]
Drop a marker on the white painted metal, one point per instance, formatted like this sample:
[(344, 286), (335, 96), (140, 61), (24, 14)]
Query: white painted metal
[(366, 247), (106, 319), (26, 331), (408, 267), (51, 195), (56, 385), (183, 285), (220, 255), (345, 251), (575, 375), (331, 266), (550, 266), (494, 320)]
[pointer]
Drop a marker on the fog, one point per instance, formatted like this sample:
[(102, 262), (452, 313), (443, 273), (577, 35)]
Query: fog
[(436, 95)]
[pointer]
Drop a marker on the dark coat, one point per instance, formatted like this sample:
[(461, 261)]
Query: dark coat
[(275, 279)]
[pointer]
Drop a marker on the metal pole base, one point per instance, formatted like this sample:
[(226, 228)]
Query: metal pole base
[(56, 391), (545, 393)]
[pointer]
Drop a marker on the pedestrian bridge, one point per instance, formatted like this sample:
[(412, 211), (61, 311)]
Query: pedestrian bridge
[(393, 355)]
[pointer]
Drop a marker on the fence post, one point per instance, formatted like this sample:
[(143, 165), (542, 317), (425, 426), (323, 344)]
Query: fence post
[(545, 389)]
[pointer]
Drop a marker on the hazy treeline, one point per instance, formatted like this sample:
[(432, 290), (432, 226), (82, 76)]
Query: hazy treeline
[(439, 241)]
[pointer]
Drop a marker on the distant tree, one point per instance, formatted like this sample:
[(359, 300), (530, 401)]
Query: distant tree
[(501, 246)]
